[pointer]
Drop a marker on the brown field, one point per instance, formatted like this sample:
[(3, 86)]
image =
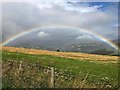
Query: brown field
[(73, 55)]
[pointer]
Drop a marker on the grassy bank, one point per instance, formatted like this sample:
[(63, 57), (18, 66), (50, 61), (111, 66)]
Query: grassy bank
[(68, 72)]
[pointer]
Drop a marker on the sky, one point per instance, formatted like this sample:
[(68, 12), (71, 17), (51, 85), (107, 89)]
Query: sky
[(98, 17)]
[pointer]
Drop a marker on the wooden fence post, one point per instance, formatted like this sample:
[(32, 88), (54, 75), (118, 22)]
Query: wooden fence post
[(52, 77), (20, 68)]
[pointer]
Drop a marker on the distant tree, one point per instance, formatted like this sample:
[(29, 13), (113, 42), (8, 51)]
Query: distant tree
[(58, 50)]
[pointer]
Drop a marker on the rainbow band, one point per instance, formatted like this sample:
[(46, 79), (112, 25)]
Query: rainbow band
[(105, 40)]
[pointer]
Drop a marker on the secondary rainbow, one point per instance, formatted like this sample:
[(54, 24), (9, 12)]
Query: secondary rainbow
[(105, 40)]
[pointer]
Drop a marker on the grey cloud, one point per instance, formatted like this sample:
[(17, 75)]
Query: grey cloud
[(18, 17)]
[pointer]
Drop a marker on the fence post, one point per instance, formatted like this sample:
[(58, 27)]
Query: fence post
[(20, 68), (52, 77)]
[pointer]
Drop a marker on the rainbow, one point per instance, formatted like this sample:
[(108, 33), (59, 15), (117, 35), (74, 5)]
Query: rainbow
[(100, 37)]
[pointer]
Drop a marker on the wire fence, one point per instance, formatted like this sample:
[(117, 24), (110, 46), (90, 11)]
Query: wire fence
[(20, 74), (17, 74)]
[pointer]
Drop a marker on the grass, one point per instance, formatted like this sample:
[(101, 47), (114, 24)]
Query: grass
[(69, 72), (73, 55)]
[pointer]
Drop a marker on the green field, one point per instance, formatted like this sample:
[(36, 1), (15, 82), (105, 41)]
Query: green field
[(68, 73)]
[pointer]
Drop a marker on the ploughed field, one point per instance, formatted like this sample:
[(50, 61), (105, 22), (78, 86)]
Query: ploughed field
[(30, 68)]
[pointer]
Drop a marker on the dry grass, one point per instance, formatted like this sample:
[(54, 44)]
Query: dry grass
[(73, 55)]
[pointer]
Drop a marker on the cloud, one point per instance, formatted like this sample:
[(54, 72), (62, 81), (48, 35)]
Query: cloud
[(42, 35), (84, 36), (23, 16), (82, 8), (60, 0), (44, 5), (17, 17)]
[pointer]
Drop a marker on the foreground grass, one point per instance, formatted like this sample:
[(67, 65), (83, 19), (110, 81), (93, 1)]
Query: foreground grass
[(69, 72)]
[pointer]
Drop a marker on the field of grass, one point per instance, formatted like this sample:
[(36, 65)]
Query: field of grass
[(72, 55), (85, 72)]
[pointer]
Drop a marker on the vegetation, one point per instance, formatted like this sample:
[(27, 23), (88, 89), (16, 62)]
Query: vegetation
[(33, 71)]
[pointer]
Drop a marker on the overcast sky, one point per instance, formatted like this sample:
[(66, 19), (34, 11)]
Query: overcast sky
[(101, 17)]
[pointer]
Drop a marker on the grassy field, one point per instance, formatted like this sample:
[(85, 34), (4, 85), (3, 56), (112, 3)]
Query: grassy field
[(71, 70)]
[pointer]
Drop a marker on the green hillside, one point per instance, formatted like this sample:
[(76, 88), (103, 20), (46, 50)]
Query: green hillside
[(67, 72)]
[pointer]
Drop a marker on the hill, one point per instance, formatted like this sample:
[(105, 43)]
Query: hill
[(67, 40), (31, 68)]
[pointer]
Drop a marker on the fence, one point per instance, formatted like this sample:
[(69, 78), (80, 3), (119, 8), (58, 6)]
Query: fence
[(17, 74)]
